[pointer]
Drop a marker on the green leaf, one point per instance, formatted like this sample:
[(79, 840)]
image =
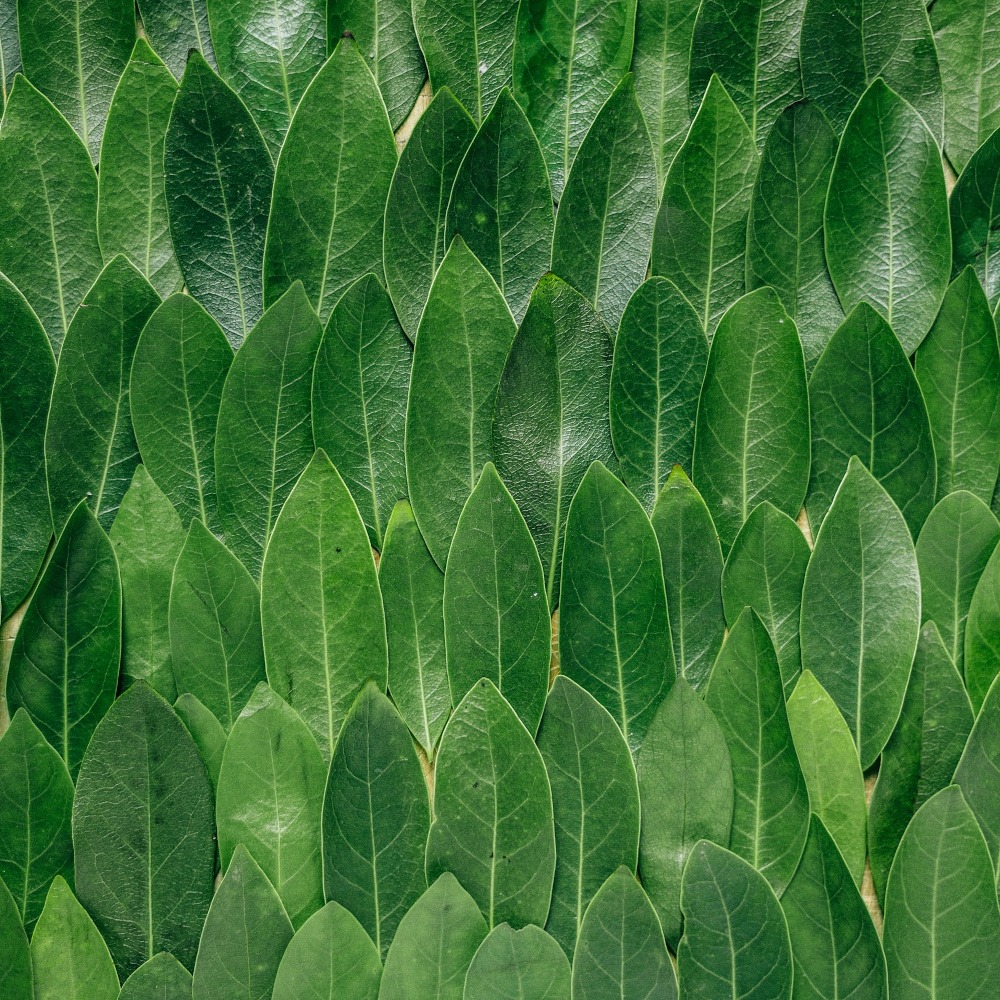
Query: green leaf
[(161, 978), (174, 28), (886, 220), (64, 664), (246, 933), (264, 438), (385, 32), (493, 825), (977, 769), (465, 333), (831, 769), (180, 366), (147, 538), (218, 180), (206, 731), (595, 801), (501, 203), (567, 62), (36, 808), (614, 634), (434, 945), (415, 237), (269, 792), (846, 45), (339, 141), (754, 48), (496, 619), (835, 947), (268, 54), (15, 956), (74, 53), (942, 924), (132, 198), (27, 370), (48, 191), (321, 610), (69, 958), (771, 805), (765, 571), (861, 609), (865, 401), (90, 448), (330, 958), (604, 229), (975, 207), (143, 835), (700, 237), (686, 791), (785, 227), (214, 620), (659, 364), (958, 368), (10, 55), (751, 441), (375, 819), (660, 62), (620, 949), (359, 389), (551, 420), (922, 753), (692, 574), (735, 935), (982, 633), (413, 594), (518, 965)]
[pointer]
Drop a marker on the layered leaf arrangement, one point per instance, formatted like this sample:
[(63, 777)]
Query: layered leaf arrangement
[(533, 537)]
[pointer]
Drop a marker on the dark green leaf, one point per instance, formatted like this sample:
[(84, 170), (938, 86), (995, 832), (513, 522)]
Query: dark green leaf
[(161, 978), (174, 28), (132, 198), (90, 448), (465, 333), (36, 804), (975, 214), (375, 819), (359, 392), (415, 236), (692, 574), (321, 609), (64, 665), (206, 731), (595, 801), (518, 965), (865, 401), (147, 537), (269, 791), (214, 617), (551, 420), (339, 141), (413, 594), (982, 633), (501, 203), (15, 956), (143, 835), (493, 822), (567, 62), (686, 791), (26, 373), (659, 364), (264, 438), (861, 609), (496, 619), (180, 366), (218, 180), (976, 773), (942, 924), (886, 220), (48, 191), (245, 935), (435, 943), (785, 228)]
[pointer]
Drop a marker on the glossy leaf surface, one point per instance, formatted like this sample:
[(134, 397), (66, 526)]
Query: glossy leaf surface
[(974, 206), (174, 28), (977, 769), (981, 664)]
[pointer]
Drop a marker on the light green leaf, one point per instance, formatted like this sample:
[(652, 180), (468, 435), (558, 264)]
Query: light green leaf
[(976, 773), (143, 836), (174, 28), (15, 956), (339, 141), (861, 609), (321, 610), (975, 210), (206, 731), (982, 633), (518, 965), (161, 978), (10, 63), (493, 825)]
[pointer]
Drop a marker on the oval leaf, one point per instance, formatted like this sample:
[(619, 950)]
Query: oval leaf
[(520, 965), (976, 771), (161, 978), (975, 207)]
